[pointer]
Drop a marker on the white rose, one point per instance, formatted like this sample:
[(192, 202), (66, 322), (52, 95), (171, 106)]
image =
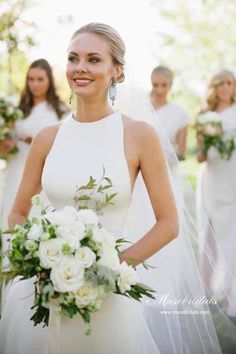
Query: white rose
[(50, 252), (86, 295), (68, 275), (85, 256), (11, 100), (72, 233), (104, 237), (212, 130), (208, 117), (88, 217), (10, 110), (109, 258), (108, 239), (72, 211), (35, 232), (127, 277), (97, 234), (62, 217)]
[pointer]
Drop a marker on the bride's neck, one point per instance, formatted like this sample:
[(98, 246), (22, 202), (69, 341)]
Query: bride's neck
[(90, 110)]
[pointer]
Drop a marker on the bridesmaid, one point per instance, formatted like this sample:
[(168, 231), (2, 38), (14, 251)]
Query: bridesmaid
[(41, 106), (217, 193), (173, 117)]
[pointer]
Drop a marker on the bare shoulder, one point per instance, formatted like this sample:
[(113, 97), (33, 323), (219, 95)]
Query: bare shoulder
[(47, 134), (141, 131), (44, 140)]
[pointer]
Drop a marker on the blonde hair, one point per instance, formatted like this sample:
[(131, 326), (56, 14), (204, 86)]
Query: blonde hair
[(112, 37), (164, 70), (212, 101)]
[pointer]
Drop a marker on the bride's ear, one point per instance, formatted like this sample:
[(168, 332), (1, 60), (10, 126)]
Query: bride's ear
[(118, 73)]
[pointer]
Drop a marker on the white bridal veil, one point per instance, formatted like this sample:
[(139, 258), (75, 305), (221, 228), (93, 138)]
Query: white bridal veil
[(186, 316)]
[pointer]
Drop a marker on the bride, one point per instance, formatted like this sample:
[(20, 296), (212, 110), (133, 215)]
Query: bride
[(63, 156)]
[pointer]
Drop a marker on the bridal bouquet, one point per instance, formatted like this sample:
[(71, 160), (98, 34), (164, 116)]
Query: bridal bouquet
[(9, 114), (75, 260), (210, 132)]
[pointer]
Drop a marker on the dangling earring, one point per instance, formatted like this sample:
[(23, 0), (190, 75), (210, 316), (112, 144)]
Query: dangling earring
[(113, 91), (71, 96)]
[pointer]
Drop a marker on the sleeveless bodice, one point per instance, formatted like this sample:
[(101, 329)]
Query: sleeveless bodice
[(81, 150)]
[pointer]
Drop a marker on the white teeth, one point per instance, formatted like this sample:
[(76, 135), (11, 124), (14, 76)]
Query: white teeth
[(82, 81)]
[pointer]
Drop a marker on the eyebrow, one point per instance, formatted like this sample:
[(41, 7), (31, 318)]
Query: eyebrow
[(89, 54)]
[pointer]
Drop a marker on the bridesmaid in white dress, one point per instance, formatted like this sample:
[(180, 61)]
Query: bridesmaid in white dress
[(65, 155), (41, 107), (217, 193), (173, 117)]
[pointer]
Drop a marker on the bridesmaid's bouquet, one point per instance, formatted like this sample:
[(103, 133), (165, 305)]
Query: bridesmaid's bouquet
[(9, 114), (210, 133), (75, 260)]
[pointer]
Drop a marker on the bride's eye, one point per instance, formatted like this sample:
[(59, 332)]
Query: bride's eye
[(72, 59), (94, 60)]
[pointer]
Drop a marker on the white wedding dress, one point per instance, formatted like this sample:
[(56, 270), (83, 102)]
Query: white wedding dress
[(119, 326), (217, 197)]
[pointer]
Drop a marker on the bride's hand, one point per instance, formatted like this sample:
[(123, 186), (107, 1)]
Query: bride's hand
[(134, 261)]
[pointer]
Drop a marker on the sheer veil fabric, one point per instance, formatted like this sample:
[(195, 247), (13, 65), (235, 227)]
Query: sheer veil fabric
[(186, 316)]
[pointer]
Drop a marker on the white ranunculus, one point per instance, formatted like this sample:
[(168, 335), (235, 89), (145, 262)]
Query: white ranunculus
[(31, 245), (127, 277), (50, 252), (68, 275), (86, 295), (85, 256), (109, 258), (45, 236), (36, 200), (35, 232), (2, 121), (72, 233), (88, 217)]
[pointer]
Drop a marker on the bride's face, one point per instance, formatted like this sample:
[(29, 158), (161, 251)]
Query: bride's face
[(226, 89), (160, 85), (90, 68)]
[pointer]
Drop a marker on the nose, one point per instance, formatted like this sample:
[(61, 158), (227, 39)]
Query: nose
[(80, 67)]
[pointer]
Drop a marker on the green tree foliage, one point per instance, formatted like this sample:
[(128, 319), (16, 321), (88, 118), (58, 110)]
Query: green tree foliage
[(196, 38), (16, 38)]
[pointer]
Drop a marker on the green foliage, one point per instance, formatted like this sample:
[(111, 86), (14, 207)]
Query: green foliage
[(16, 36), (192, 37), (94, 195)]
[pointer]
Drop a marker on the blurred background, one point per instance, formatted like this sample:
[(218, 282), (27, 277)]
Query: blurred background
[(189, 36)]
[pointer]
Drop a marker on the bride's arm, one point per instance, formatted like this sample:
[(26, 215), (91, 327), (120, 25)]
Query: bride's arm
[(31, 180), (155, 174)]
